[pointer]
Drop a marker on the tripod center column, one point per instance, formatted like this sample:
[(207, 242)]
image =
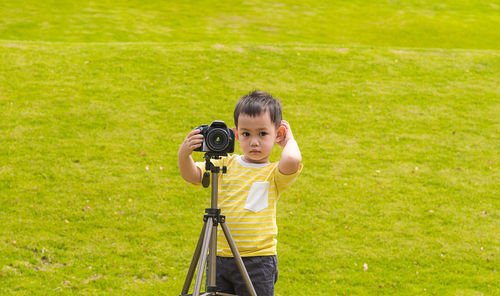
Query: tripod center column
[(215, 190)]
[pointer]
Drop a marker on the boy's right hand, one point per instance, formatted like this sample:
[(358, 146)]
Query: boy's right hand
[(193, 140)]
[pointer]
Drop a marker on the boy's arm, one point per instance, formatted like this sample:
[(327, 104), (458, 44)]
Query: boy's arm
[(290, 156), (189, 171)]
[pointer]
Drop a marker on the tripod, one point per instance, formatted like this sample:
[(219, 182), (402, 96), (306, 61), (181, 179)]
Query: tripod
[(207, 242)]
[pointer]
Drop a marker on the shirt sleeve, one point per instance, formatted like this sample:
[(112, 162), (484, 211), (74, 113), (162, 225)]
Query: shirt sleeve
[(284, 181)]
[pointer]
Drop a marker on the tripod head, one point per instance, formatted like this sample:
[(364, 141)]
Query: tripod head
[(211, 168)]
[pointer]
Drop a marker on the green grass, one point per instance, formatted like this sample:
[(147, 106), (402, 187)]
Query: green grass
[(422, 23), (395, 106)]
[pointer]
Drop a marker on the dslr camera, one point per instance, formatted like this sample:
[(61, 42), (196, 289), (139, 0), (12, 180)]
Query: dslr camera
[(217, 138)]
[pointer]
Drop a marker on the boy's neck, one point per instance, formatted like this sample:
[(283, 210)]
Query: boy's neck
[(245, 159)]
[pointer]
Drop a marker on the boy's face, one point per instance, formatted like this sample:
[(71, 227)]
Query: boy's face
[(256, 136)]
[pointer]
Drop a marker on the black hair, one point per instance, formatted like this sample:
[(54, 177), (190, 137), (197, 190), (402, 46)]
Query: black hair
[(257, 102)]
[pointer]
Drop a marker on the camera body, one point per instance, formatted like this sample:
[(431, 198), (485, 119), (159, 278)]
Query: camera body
[(217, 138)]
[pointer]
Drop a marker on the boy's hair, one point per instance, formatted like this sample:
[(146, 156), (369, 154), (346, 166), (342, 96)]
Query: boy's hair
[(256, 103)]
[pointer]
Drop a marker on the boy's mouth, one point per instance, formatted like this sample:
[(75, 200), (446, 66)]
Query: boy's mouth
[(254, 151)]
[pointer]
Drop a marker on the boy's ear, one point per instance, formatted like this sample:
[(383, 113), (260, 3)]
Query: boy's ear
[(236, 133), (280, 134)]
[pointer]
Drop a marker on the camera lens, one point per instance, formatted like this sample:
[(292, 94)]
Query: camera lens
[(217, 140)]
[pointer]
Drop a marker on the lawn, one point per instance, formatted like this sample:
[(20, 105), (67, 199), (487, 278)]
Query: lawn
[(395, 106)]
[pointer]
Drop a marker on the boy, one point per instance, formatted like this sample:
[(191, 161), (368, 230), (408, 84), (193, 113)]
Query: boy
[(249, 191)]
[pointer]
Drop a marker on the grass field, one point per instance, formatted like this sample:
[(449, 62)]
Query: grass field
[(395, 105)]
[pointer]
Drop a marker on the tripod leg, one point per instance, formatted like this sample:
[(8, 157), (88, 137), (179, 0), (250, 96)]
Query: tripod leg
[(194, 262), (212, 259), (239, 261), (203, 259)]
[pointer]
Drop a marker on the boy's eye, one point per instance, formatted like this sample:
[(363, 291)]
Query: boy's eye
[(263, 134), (245, 134)]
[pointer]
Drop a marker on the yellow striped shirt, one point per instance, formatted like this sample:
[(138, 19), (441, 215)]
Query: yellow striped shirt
[(248, 195)]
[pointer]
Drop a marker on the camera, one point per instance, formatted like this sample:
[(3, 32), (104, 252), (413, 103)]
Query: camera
[(217, 137)]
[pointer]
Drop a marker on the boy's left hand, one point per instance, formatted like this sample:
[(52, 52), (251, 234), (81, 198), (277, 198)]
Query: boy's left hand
[(287, 133)]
